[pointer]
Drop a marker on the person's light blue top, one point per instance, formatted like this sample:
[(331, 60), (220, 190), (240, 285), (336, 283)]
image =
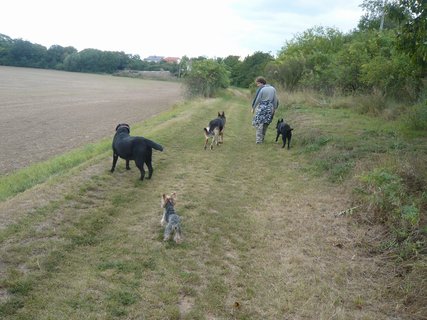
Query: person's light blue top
[(266, 94)]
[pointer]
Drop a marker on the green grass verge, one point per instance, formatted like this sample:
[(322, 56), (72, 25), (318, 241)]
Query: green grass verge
[(23, 179)]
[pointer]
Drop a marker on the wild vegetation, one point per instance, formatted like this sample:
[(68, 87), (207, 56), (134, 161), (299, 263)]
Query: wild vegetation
[(335, 228), (268, 233), (391, 179), (90, 245), (379, 69)]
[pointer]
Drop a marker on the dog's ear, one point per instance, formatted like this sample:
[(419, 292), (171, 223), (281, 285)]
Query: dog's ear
[(223, 114), (174, 195), (219, 114)]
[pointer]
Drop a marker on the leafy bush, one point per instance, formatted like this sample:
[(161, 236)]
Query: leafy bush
[(394, 76), (372, 104), (386, 192), (416, 117), (205, 78), (287, 73), (252, 67)]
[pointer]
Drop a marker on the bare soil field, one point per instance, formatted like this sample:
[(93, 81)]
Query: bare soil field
[(47, 112)]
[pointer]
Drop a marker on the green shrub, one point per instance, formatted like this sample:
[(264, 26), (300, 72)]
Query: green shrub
[(372, 104), (206, 78), (386, 193), (398, 206), (416, 117)]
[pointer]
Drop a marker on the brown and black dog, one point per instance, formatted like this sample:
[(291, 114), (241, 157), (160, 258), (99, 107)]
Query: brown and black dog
[(215, 130)]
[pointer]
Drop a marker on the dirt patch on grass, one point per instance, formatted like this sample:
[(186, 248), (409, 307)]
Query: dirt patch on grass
[(46, 112)]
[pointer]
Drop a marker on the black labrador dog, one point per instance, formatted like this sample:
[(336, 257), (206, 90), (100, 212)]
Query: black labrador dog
[(285, 130), (129, 148)]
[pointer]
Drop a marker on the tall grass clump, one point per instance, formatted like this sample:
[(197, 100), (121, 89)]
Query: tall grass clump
[(302, 98), (398, 199), (374, 104), (416, 117)]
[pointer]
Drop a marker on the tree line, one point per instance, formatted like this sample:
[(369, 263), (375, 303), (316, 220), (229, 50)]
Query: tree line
[(21, 53), (386, 54)]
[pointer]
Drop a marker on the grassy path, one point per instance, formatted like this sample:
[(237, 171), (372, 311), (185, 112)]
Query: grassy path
[(262, 240)]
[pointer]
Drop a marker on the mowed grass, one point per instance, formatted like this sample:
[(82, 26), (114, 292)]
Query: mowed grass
[(261, 236)]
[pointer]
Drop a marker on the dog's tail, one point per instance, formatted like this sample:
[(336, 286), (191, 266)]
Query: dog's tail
[(154, 145)]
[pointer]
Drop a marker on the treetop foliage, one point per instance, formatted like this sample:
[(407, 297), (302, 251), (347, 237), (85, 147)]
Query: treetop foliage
[(386, 54), (206, 78)]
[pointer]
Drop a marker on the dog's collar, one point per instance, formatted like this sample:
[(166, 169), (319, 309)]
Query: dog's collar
[(123, 126)]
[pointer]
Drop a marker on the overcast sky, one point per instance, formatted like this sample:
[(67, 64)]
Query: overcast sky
[(211, 28)]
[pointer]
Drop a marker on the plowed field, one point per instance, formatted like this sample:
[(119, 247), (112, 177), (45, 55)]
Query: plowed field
[(46, 112)]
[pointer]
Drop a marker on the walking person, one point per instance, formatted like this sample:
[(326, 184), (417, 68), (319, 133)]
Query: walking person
[(264, 105)]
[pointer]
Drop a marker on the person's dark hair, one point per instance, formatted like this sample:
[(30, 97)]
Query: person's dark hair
[(260, 80)]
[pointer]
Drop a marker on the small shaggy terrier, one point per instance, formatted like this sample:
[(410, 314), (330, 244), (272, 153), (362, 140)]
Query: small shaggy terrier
[(170, 218)]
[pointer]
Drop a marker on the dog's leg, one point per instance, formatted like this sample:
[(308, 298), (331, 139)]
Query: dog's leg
[(140, 166), (284, 140), (177, 236), (289, 141), (212, 143), (206, 132), (150, 169), (142, 174), (215, 138), (127, 165), (163, 221), (277, 137), (167, 233), (115, 157)]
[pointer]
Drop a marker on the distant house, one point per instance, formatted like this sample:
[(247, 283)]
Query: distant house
[(154, 59), (171, 59)]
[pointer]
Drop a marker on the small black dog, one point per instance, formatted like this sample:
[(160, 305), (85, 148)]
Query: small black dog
[(133, 148), (215, 130), (285, 130)]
